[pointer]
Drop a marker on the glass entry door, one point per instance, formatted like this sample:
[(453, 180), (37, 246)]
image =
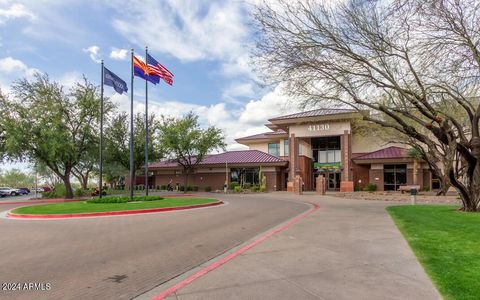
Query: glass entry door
[(333, 181), (394, 176)]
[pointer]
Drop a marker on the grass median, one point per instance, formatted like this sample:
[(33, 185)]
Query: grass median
[(86, 207), (447, 243)]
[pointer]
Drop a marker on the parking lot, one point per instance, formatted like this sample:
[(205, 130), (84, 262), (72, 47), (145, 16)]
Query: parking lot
[(20, 197)]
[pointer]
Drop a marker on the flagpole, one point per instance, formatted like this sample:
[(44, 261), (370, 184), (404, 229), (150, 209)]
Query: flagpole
[(146, 127), (100, 184), (131, 130)]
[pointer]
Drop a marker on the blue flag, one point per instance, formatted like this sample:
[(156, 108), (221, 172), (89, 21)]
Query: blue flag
[(109, 78)]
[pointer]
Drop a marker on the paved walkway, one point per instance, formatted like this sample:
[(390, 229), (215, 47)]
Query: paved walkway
[(349, 249)]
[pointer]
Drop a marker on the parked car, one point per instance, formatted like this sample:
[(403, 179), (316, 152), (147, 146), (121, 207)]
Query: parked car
[(10, 191), (24, 191), (47, 189), (3, 194)]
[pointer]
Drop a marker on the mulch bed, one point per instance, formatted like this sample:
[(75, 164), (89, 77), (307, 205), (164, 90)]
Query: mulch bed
[(422, 197)]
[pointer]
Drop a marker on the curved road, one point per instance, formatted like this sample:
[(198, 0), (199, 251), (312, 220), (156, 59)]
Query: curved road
[(125, 256)]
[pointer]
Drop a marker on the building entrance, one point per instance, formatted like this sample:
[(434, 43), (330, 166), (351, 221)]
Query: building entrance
[(332, 180)]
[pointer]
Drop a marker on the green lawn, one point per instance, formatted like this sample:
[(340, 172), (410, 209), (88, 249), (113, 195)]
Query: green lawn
[(447, 243), (83, 207)]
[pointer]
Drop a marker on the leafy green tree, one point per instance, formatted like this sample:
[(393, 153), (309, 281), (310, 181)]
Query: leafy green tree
[(187, 143), (114, 174), (117, 141), (16, 178), (46, 124)]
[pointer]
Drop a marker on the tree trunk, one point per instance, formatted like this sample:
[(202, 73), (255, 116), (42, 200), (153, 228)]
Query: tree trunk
[(68, 185), (185, 182), (445, 185), (470, 192), (85, 181)]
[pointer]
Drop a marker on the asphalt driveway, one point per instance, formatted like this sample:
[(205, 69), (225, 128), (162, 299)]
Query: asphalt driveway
[(122, 257)]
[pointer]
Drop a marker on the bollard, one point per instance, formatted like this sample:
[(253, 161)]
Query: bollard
[(413, 196)]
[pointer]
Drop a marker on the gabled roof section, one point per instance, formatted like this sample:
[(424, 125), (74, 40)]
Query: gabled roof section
[(230, 157), (387, 153), (263, 136), (315, 113), (242, 156)]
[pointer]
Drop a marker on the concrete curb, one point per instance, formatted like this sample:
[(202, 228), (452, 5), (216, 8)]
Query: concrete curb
[(110, 213)]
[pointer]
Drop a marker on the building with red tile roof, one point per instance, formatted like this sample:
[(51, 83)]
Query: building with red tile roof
[(307, 145)]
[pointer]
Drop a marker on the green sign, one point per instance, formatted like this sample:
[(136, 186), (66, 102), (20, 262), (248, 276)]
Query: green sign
[(327, 166)]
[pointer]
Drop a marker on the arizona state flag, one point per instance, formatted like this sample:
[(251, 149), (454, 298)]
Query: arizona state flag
[(141, 70)]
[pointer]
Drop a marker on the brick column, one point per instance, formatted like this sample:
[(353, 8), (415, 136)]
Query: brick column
[(298, 185), (320, 188), (293, 165), (346, 183)]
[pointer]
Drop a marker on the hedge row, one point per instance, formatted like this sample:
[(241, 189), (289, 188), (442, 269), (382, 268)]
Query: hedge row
[(124, 199)]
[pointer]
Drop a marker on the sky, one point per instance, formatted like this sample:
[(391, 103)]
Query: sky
[(206, 44)]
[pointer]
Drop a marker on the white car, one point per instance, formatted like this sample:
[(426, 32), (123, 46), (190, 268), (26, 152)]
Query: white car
[(9, 191)]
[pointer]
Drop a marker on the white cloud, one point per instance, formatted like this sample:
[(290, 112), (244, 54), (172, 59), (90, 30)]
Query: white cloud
[(12, 69), (187, 30), (235, 123), (118, 54), (272, 104), (69, 79), (93, 52), (14, 11), (240, 65), (242, 89)]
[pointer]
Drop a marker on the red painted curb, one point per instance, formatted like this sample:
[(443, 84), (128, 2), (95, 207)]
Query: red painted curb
[(231, 256), (111, 213)]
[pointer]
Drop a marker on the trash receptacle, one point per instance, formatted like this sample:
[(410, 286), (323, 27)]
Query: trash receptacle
[(413, 196)]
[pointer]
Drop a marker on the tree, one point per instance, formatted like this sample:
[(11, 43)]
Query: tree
[(45, 175), (88, 164), (117, 141), (439, 160), (187, 143), (16, 178), (44, 123), (412, 61), (114, 174)]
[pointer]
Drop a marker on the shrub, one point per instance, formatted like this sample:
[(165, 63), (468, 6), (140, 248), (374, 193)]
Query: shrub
[(247, 185), (189, 188), (357, 188), (232, 185), (82, 192), (58, 191), (195, 188), (255, 188), (371, 187), (208, 189), (181, 188), (163, 187), (123, 199), (426, 188), (237, 189), (263, 189)]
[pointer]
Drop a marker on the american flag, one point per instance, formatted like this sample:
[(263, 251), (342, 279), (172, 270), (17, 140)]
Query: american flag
[(156, 68)]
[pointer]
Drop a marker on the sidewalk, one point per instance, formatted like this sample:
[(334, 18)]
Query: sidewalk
[(349, 249)]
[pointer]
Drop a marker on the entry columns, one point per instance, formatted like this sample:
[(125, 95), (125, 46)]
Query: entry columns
[(293, 165), (346, 184)]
